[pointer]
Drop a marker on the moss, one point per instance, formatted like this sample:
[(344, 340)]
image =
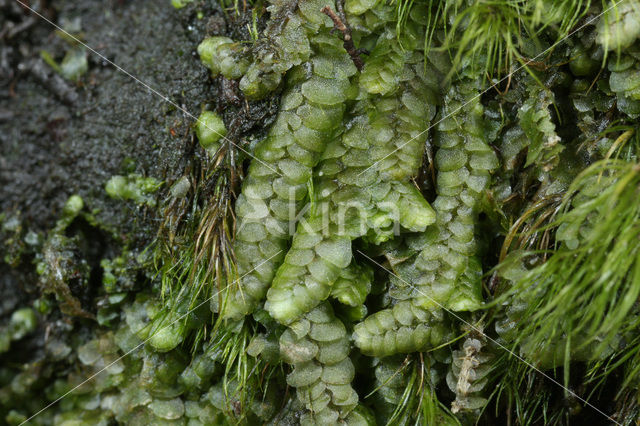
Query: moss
[(210, 129), (23, 321), (179, 4), (366, 162), (72, 67), (276, 185), (335, 265), (222, 56), (62, 270), (318, 349), (619, 27), (133, 187)]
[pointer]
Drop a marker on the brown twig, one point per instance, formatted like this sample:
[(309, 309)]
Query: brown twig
[(506, 90), (341, 25)]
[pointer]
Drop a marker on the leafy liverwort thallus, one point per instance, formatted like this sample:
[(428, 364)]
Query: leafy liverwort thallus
[(397, 213)]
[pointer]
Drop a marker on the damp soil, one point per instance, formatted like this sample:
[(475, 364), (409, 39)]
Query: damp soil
[(60, 138)]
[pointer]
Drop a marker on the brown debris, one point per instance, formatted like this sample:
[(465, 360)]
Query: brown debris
[(341, 24)]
